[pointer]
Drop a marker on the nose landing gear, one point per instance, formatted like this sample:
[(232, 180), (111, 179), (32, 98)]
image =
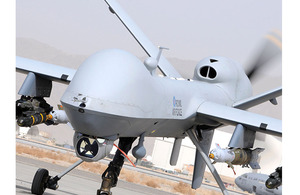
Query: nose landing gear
[(40, 180)]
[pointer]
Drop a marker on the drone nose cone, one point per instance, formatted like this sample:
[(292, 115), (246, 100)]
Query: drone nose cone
[(271, 183), (238, 181), (211, 155)]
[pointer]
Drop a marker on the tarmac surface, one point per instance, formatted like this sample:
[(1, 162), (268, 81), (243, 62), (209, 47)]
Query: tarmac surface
[(82, 182), (76, 182)]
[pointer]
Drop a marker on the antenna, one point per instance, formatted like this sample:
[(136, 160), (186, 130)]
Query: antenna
[(152, 63), (159, 52)]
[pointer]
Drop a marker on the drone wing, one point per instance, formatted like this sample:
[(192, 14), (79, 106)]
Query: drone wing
[(231, 116), (253, 101), (48, 71), (151, 50)]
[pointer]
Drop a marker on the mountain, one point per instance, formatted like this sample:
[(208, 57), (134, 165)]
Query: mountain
[(30, 48)]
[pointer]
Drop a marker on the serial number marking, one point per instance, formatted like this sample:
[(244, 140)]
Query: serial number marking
[(177, 107), (177, 112)]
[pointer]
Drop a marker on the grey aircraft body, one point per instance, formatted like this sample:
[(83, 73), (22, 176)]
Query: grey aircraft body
[(114, 95), (255, 183)]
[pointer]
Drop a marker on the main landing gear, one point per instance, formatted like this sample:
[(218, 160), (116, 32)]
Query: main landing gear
[(42, 180), (110, 175)]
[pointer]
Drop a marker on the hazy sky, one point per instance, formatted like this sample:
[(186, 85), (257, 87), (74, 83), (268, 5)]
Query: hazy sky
[(191, 29)]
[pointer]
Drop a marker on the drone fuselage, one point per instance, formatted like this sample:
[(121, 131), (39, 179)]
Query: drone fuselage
[(114, 95)]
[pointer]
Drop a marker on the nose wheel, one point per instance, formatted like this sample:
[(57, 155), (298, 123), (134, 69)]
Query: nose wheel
[(39, 183), (42, 180)]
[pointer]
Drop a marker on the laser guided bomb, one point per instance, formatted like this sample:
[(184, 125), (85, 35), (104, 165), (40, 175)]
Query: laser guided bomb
[(236, 156)]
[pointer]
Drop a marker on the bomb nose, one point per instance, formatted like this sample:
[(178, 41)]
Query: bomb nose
[(211, 155)]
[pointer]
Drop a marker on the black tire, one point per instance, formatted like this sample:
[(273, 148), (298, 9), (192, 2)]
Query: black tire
[(103, 193), (39, 182)]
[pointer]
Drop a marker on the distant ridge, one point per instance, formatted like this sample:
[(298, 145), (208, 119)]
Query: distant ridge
[(30, 48), (33, 49)]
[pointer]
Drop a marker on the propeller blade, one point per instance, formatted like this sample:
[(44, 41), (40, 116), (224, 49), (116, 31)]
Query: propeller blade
[(94, 148), (82, 146), (271, 48), (83, 152), (86, 141)]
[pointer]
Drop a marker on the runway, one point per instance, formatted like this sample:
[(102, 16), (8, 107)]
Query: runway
[(26, 168), (77, 182)]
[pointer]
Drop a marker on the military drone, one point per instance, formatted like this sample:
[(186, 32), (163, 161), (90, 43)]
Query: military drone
[(114, 95)]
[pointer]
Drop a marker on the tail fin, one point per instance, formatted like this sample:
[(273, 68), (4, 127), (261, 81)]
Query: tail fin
[(253, 162), (199, 165), (218, 146)]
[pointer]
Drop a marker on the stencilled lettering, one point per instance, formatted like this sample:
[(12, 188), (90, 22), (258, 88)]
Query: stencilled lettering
[(177, 107)]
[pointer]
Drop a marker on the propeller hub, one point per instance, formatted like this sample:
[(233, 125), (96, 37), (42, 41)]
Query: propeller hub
[(88, 147)]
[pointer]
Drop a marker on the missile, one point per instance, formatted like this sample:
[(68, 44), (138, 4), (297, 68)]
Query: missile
[(34, 119), (236, 156)]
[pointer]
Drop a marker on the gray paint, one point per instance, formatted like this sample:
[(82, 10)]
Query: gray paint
[(255, 182), (199, 165), (175, 151), (145, 43), (46, 70), (197, 179), (139, 151), (242, 138), (126, 103), (258, 99), (232, 116), (36, 86)]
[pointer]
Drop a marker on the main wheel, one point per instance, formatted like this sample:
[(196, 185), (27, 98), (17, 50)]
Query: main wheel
[(39, 182), (103, 193)]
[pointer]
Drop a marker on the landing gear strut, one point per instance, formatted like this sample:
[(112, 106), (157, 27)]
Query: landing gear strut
[(110, 175)]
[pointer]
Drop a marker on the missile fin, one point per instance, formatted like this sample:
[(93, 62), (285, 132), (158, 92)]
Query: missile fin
[(254, 165), (254, 157)]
